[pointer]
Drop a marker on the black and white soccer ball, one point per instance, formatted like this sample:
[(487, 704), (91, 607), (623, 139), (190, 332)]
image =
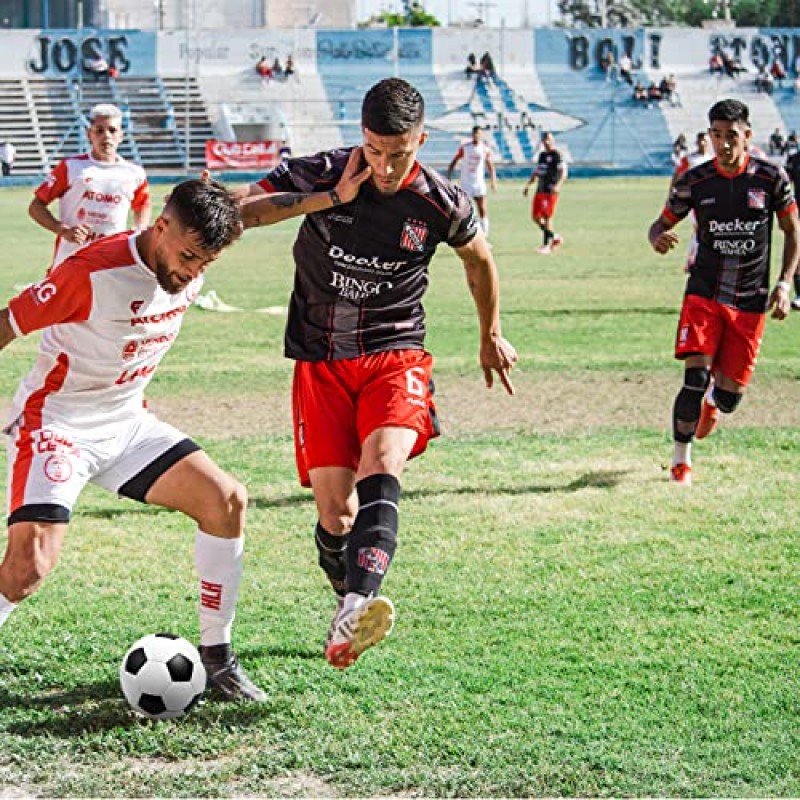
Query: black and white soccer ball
[(162, 676)]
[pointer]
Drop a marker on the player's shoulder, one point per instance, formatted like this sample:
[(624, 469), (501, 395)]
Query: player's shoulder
[(325, 164), (442, 193), (700, 172), (111, 252), (760, 166)]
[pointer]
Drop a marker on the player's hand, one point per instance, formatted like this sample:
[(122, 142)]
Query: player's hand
[(779, 303), (353, 176), (665, 241), (525, 192), (79, 234), (498, 355)]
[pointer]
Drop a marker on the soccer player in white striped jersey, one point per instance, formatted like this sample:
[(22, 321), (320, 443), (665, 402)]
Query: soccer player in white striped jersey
[(95, 190), (476, 159)]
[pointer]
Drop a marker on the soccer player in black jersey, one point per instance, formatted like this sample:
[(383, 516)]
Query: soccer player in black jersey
[(549, 173), (735, 198), (362, 392), (793, 170)]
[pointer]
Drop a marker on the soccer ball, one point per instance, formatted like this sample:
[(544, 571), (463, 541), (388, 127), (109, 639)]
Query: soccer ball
[(162, 676)]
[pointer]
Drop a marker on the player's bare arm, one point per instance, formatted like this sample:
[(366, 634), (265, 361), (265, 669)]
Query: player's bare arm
[(496, 354), (42, 215), (661, 236), (141, 217), (6, 331), (779, 299), (452, 166), (492, 172), (527, 185), (271, 208)]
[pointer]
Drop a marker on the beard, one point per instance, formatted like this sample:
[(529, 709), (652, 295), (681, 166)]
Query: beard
[(167, 279)]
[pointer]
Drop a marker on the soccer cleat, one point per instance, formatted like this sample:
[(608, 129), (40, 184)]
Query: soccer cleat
[(332, 626), (545, 250), (795, 304), (356, 630), (557, 242), (682, 474), (708, 420), (226, 675)]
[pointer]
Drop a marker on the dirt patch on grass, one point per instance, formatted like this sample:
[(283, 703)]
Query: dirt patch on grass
[(550, 403), (547, 403)]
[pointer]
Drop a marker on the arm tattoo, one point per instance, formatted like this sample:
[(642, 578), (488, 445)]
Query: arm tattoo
[(286, 199)]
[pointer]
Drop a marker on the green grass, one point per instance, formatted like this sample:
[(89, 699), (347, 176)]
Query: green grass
[(569, 623)]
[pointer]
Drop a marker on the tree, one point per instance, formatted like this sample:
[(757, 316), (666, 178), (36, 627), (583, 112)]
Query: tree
[(414, 15)]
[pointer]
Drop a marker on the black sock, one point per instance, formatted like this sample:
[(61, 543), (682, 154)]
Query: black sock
[(548, 236), (332, 557), (373, 540)]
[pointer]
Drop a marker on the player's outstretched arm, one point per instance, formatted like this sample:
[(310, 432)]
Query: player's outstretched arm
[(661, 236), (271, 208), (496, 354), (452, 166), (6, 331), (779, 298)]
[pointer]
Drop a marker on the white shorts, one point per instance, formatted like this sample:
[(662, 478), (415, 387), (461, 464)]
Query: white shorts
[(475, 189), (49, 466)]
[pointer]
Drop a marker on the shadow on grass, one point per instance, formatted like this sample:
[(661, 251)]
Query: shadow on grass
[(100, 707), (601, 479), (594, 312)]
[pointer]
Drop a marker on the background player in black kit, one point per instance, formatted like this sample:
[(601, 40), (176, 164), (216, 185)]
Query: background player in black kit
[(362, 392), (549, 173), (735, 198), (793, 170)]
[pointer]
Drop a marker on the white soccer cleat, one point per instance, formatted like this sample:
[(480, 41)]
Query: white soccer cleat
[(355, 630), (544, 250)]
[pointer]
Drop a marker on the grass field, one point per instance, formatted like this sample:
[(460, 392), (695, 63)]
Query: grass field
[(569, 622)]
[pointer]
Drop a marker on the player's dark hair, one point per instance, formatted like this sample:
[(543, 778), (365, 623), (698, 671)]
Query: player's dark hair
[(476, 128), (729, 111), (391, 107), (206, 208)]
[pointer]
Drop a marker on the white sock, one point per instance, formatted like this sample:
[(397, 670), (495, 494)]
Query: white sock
[(219, 568), (682, 453), (709, 396), (6, 607), (485, 225), (353, 600)]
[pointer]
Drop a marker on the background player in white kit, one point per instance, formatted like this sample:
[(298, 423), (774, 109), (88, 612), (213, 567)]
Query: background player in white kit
[(476, 158), (96, 190), (108, 315)]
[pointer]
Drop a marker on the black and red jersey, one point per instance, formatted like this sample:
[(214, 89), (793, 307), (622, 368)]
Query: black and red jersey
[(361, 269), (548, 170), (734, 228)]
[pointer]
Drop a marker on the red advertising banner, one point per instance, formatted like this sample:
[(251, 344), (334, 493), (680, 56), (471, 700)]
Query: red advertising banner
[(242, 155)]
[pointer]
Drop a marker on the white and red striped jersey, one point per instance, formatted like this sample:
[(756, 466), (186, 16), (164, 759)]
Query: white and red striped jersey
[(96, 194), (473, 167), (106, 326)]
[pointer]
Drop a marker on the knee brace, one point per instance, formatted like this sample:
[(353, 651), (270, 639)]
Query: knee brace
[(726, 401), (686, 411)]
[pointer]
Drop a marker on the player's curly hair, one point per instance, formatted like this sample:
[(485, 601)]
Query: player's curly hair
[(206, 207), (391, 107), (729, 111)]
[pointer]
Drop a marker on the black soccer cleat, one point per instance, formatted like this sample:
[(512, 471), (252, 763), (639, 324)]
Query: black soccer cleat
[(225, 674)]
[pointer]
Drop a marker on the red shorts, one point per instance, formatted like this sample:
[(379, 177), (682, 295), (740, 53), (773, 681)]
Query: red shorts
[(730, 336), (337, 404), (544, 205)]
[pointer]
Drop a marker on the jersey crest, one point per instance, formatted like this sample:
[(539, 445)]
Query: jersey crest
[(414, 235)]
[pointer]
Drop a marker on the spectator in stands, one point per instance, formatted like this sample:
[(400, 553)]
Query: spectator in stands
[(775, 143), (285, 151), (487, 70), (716, 65), (264, 70), (732, 66), (640, 93), (669, 89), (653, 94), (289, 70), (277, 69), (472, 69), (764, 82), (98, 68), (609, 66), (85, 216), (680, 149), (791, 145), (626, 69), (8, 154), (778, 71)]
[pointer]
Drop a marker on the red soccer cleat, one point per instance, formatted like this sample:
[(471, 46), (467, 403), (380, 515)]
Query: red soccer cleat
[(682, 474), (708, 420)]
